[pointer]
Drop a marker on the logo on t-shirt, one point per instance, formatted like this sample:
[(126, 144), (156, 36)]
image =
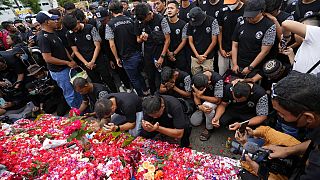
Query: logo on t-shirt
[(216, 14), (307, 14), (259, 35), (241, 32), (177, 31), (250, 104), (88, 36), (225, 18), (75, 39), (240, 18), (208, 29), (188, 16), (157, 28)]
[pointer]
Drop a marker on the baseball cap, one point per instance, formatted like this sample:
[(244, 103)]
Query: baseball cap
[(43, 16), (253, 8), (272, 69), (34, 69), (101, 13), (229, 1), (197, 16)]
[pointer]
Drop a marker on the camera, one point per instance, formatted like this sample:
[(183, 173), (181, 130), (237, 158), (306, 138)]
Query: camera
[(260, 155), (41, 87)]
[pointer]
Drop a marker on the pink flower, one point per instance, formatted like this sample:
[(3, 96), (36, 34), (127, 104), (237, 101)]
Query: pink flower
[(74, 112), (76, 124)]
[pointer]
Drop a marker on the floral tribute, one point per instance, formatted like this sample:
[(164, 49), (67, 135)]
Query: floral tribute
[(39, 150)]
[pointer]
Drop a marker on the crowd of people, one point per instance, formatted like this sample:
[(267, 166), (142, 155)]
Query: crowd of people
[(157, 69)]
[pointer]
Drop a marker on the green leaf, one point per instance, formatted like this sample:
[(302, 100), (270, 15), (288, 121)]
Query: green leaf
[(160, 166), (74, 134), (127, 141)]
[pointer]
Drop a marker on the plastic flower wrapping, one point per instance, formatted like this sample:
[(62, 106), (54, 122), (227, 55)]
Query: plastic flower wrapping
[(39, 150)]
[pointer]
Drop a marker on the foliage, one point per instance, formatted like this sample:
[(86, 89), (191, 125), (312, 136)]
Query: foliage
[(62, 2), (33, 4)]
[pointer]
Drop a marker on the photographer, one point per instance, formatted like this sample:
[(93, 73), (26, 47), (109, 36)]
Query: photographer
[(298, 103), (45, 93)]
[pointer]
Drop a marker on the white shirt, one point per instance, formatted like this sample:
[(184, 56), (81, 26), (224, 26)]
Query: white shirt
[(309, 52)]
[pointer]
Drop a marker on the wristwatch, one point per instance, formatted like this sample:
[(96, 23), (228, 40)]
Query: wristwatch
[(163, 55), (250, 68)]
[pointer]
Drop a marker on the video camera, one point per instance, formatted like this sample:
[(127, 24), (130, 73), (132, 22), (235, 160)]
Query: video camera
[(266, 165), (41, 87)]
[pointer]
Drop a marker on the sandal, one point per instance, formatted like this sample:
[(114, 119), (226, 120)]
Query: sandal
[(205, 135)]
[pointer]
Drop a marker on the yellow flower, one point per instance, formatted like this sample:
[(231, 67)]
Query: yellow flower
[(146, 164), (151, 168)]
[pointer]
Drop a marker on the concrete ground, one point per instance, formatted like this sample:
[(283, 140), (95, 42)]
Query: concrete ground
[(216, 145)]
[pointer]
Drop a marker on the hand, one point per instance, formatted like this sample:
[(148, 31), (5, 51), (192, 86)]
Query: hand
[(110, 127), (171, 56), (3, 84), (241, 138), (223, 53), (249, 131), (112, 65), (17, 86), (90, 65), (72, 64), (215, 122), (229, 54), (197, 92), (252, 164), (119, 63), (205, 109), (158, 64), (235, 69), (90, 114), (245, 71), (288, 51), (277, 151), (201, 58), (169, 85), (149, 127), (234, 126), (144, 36)]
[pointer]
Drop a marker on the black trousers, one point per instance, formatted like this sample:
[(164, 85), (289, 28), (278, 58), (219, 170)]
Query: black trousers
[(231, 116)]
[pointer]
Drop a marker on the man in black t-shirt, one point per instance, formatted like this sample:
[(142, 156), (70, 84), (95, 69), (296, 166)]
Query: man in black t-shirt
[(124, 46), (57, 57), (211, 7), (208, 92), (160, 7), (252, 40), (153, 31), (85, 41), (241, 101), (202, 31), (228, 18), (303, 8), (90, 92), (163, 115), (120, 112), (176, 53), (184, 10)]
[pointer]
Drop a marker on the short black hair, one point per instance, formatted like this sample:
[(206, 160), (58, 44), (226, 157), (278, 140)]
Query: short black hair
[(69, 6), (166, 74), (141, 11), (298, 92), (17, 21), (151, 104), (125, 1), (69, 22), (79, 82), (173, 2), (78, 14), (102, 107), (241, 89), (116, 7), (16, 38), (200, 80), (272, 5), (6, 24), (55, 12)]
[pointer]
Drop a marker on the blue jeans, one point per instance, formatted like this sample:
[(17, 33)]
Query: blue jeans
[(132, 65), (62, 78), (120, 119)]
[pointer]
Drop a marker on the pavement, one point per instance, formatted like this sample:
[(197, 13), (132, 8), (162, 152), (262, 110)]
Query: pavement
[(216, 145)]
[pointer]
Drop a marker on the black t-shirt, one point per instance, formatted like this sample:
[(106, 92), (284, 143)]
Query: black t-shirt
[(182, 82), (211, 10), (215, 88), (51, 43), (257, 102), (62, 34), (184, 12), (121, 30), (178, 32), (228, 20), (173, 115), (251, 37), (98, 91), (300, 10), (14, 66), (128, 104), (202, 35), (84, 40)]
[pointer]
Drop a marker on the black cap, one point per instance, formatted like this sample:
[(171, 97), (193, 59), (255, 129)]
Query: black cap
[(197, 16), (253, 8), (101, 13), (273, 69), (43, 16), (34, 69)]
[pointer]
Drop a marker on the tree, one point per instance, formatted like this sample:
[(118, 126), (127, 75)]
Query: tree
[(33, 4), (5, 2), (62, 2)]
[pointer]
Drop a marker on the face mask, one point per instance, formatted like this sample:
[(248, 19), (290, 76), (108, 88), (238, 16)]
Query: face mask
[(233, 6)]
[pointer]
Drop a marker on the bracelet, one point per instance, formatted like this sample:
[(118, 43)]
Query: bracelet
[(163, 55)]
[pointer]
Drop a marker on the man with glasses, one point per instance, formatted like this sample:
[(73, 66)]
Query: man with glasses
[(56, 56), (120, 112), (164, 119), (296, 99)]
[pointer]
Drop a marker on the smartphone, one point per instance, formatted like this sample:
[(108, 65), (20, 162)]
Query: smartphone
[(243, 127)]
